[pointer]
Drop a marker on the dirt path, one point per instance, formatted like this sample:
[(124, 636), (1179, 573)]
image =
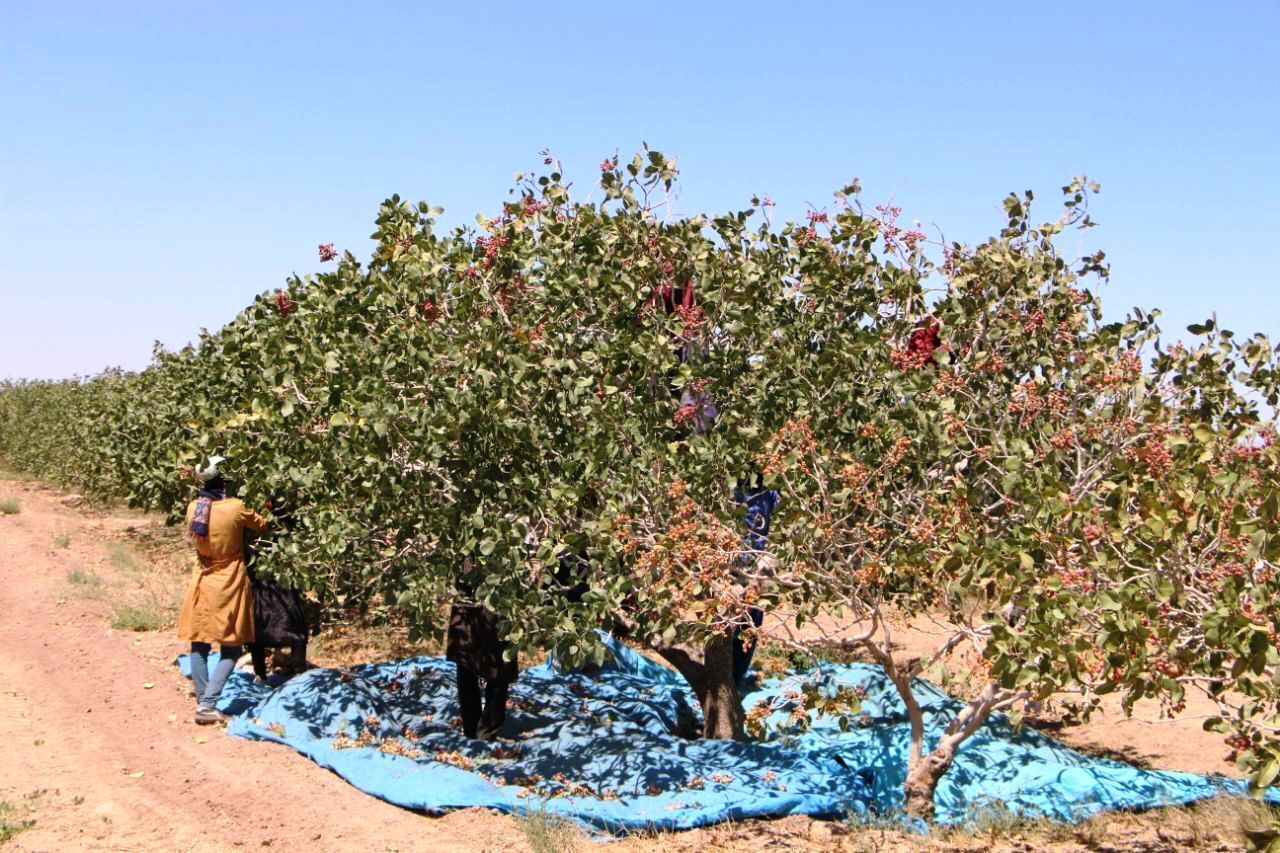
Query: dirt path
[(105, 762)]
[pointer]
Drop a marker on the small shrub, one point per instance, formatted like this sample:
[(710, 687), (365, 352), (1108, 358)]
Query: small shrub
[(122, 559), (11, 826), (549, 833), (130, 618), (87, 583), (10, 506), (62, 540)]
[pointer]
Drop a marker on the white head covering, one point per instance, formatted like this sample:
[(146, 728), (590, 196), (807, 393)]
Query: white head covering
[(206, 474)]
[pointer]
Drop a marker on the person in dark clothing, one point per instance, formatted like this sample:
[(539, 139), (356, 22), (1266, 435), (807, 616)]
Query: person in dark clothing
[(280, 621), (279, 614), (476, 649)]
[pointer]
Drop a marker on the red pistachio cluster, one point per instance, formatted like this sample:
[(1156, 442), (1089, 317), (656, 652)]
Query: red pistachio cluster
[(919, 349), (430, 311), (1126, 369), (888, 216), (1155, 453), (1063, 438), (1238, 743), (693, 318), (493, 247), (284, 305), (911, 238), (685, 414), (949, 264), (796, 435)]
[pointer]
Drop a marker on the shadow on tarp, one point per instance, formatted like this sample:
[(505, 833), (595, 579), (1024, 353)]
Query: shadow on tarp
[(600, 748)]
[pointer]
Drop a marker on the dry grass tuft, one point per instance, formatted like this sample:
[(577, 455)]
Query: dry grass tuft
[(549, 833), (87, 584), (14, 816), (128, 617)]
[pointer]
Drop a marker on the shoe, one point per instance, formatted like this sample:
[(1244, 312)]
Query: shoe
[(207, 716)]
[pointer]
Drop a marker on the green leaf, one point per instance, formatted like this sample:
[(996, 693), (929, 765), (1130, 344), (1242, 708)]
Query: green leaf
[(1266, 775)]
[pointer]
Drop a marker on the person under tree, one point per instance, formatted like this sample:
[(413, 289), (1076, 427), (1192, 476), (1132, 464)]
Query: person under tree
[(477, 650), (218, 605)]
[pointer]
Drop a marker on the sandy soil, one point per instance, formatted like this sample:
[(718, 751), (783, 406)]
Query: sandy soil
[(99, 721), (99, 749)]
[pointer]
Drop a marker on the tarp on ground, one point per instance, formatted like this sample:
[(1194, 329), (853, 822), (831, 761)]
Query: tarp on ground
[(600, 748)]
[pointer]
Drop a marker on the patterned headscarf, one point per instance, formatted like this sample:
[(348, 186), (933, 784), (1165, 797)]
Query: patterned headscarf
[(213, 487)]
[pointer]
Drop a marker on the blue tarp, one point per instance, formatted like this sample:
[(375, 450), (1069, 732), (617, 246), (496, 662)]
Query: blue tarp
[(599, 747)]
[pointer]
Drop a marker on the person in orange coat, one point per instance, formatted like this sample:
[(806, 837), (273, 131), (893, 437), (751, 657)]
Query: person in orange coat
[(218, 607)]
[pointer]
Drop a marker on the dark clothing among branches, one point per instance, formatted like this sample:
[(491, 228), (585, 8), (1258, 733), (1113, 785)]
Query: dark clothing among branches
[(482, 716), (476, 649)]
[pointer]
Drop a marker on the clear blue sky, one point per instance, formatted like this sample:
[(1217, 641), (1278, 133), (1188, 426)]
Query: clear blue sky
[(162, 163)]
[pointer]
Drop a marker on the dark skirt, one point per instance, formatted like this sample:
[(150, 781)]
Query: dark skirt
[(279, 618)]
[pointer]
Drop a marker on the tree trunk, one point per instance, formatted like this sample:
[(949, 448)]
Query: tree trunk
[(711, 678), (721, 704), (925, 771), (922, 780)]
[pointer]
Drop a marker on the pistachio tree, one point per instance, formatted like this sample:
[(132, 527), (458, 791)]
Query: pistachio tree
[(576, 392)]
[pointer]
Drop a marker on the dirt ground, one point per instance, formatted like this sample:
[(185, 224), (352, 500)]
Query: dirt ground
[(98, 751)]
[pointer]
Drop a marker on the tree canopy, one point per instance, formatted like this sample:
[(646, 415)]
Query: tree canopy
[(952, 429)]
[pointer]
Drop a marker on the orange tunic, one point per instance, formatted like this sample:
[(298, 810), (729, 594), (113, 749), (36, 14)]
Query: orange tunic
[(218, 607)]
